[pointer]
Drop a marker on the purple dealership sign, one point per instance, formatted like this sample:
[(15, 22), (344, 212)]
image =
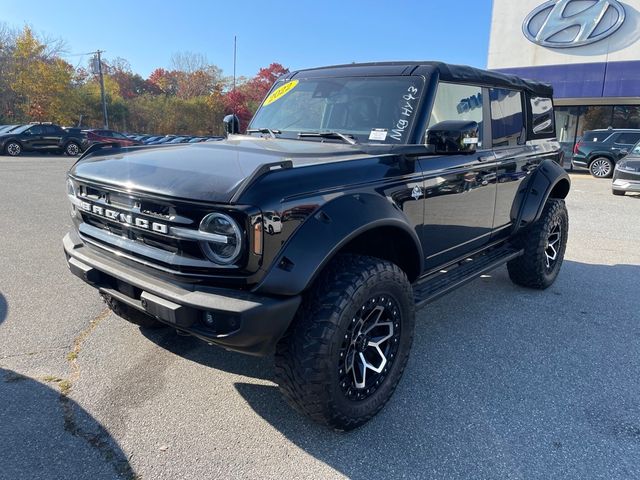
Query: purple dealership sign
[(587, 80)]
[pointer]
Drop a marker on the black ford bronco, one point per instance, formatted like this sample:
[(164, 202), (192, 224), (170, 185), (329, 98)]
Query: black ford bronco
[(41, 137), (358, 194)]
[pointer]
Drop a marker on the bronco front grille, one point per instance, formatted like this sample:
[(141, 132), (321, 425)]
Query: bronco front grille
[(142, 227)]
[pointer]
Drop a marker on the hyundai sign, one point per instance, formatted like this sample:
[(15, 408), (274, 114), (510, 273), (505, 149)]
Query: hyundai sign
[(573, 23)]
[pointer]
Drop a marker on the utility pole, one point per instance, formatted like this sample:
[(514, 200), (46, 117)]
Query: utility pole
[(105, 118), (235, 44)]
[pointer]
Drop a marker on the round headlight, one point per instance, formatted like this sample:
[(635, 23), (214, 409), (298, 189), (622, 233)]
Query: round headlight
[(227, 249)]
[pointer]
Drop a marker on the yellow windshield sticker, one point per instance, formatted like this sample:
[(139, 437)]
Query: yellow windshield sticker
[(280, 92)]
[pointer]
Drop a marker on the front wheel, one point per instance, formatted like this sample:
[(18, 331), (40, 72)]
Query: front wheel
[(13, 149), (72, 149), (601, 167), (618, 192), (544, 244), (344, 355)]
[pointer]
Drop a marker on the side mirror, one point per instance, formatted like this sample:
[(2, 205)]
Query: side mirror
[(454, 136), (231, 124)]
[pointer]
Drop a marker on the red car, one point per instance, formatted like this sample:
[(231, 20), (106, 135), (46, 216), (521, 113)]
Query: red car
[(109, 136)]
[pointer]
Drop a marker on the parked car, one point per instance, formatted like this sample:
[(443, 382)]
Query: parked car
[(44, 137), (179, 140), (108, 136), (162, 140), (197, 140), (151, 139), (359, 152), (272, 223), (74, 130), (626, 175), (599, 150)]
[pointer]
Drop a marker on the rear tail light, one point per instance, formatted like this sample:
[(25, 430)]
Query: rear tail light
[(577, 147)]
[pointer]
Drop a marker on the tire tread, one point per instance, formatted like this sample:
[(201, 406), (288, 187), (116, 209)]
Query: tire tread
[(302, 357)]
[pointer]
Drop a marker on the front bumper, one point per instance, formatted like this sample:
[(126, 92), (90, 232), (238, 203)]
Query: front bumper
[(626, 185), (234, 319)]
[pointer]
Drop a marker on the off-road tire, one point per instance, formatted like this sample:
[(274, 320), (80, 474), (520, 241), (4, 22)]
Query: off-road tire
[(601, 167), (72, 149), (13, 149), (530, 269), (308, 357), (131, 314)]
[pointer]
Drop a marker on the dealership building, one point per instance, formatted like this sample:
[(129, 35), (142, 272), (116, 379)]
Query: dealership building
[(589, 50)]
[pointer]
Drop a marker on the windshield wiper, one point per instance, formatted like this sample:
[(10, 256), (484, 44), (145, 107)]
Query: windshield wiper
[(350, 140), (273, 133)]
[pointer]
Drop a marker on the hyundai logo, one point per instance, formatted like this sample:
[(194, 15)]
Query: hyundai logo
[(573, 23)]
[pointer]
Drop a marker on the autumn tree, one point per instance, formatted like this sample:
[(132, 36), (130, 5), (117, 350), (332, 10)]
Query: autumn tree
[(192, 97), (40, 81)]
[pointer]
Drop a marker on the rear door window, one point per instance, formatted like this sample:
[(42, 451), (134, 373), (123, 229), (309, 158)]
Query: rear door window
[(507, 118), (593, 137), (628, 138)]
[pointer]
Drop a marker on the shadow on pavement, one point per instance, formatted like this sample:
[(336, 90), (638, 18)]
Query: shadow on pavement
[(513, 383), (45, 435), (210, 355), (4, 308)]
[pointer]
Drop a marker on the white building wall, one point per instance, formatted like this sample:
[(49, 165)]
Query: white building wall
[(509, 48)]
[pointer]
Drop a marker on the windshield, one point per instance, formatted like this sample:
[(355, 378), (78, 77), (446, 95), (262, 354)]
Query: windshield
[(21, 129), (370, 109)]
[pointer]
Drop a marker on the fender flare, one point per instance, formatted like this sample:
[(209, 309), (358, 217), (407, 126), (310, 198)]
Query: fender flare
[(313, 245), (533, 195)]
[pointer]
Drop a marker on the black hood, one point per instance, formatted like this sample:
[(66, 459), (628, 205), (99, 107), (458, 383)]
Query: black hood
[(208, 171)]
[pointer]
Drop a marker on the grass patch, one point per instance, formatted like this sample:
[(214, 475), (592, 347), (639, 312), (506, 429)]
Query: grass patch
[(65, 387)]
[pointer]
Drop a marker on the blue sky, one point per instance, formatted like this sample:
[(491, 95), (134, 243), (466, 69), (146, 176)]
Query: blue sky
[(297, 34)]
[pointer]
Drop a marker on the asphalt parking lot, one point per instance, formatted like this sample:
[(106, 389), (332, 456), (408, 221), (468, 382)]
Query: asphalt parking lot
[(503, 382)]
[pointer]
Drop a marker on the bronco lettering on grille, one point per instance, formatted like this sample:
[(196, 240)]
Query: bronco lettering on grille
[(125, 218)]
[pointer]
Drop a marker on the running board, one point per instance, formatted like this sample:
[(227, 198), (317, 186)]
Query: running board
[(440, 283)]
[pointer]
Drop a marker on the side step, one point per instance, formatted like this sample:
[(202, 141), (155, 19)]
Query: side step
[(440, 283)]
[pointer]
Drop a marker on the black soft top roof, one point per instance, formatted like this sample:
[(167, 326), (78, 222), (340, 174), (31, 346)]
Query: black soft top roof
[(447, 72)]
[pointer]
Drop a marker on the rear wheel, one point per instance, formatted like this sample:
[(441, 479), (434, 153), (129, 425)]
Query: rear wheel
[(130, 314), (13, 149), (343, 356), (601, 167), (544, 244), (72, 149)]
